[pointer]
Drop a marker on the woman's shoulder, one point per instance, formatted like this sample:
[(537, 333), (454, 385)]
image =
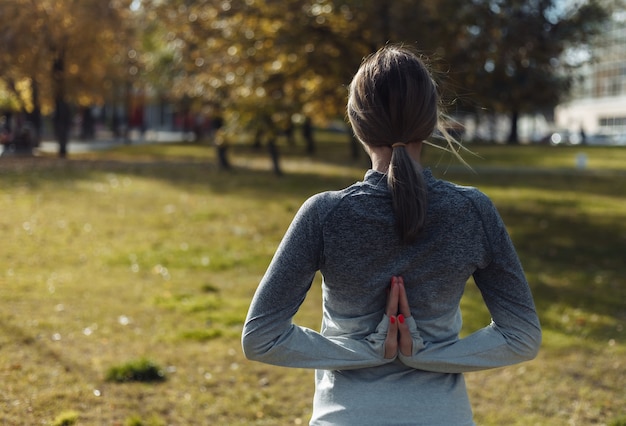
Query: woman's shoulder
[(456, 194), (335, 196), (322, 204)]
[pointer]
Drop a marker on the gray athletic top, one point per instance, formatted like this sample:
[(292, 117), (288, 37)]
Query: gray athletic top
[(351, 238)]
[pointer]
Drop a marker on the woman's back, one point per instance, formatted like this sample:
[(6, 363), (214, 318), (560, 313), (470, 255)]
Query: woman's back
[(362, 249), (392, 354)]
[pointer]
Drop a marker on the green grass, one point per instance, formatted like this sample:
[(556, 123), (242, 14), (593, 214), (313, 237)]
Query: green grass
[(151, 252), (141, 370)]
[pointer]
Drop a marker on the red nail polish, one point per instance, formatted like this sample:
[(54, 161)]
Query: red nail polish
[(401, 319), (392, 319)]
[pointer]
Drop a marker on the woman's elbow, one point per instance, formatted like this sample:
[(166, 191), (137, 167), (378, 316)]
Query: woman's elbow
[(528, 347), (250, 347), (255, 347)]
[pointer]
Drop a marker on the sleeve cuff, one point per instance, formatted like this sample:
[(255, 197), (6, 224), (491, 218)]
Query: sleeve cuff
[(418, 343), (377, 338)]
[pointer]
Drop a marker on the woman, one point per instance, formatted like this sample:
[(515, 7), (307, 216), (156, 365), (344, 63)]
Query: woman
[(390, 354)]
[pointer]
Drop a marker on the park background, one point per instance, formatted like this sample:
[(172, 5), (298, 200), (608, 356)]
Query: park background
[(128, 265)]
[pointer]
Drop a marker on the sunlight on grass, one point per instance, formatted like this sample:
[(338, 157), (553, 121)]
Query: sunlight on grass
[(153, 253), (595, 157)]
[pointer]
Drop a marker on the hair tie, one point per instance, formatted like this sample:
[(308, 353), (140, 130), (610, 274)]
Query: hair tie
[(397, 144)]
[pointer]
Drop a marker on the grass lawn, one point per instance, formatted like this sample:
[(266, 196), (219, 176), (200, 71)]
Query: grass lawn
[(152, 253)]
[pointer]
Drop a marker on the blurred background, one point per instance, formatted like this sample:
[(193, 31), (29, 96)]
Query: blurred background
[(510, 71)]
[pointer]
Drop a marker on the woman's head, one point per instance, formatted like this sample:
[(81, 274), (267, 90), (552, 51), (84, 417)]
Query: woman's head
[(392, 98), (393, 101)]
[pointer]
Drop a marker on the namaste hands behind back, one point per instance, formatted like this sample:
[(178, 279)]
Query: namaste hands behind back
[(398, 335)]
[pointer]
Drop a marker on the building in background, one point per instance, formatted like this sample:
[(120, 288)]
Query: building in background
[(597, 109)]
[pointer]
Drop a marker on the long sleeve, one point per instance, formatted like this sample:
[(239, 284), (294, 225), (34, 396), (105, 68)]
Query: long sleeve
[(350, 237), (514, 334), (270, 336)]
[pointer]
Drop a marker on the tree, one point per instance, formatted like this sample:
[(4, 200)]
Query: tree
[(512, 56), (243, 57), (63, 48), (264, 60)]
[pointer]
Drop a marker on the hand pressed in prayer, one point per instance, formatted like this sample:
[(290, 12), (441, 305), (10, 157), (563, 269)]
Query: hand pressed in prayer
[(398, 335)]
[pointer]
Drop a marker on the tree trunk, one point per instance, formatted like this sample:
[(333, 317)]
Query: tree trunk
[(128, 87), (62, 123), (88, 129), (35, 116), (307, 134), (273, 151), (222, 157), (513, 135), (62, 116)]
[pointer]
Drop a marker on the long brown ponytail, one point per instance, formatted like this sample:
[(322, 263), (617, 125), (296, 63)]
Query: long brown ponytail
[(408, 193), (393, 101)]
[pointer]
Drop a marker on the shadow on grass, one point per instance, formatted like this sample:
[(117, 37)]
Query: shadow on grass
[(42, 349), (573, 259), (262, 184)]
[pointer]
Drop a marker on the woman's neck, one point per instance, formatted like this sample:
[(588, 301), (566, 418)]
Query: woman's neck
[(381, 156)]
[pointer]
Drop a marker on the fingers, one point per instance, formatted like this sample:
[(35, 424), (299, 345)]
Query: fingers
[(405, 343), (391, 341), (393, 298), (403, 300), (398, 335)]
